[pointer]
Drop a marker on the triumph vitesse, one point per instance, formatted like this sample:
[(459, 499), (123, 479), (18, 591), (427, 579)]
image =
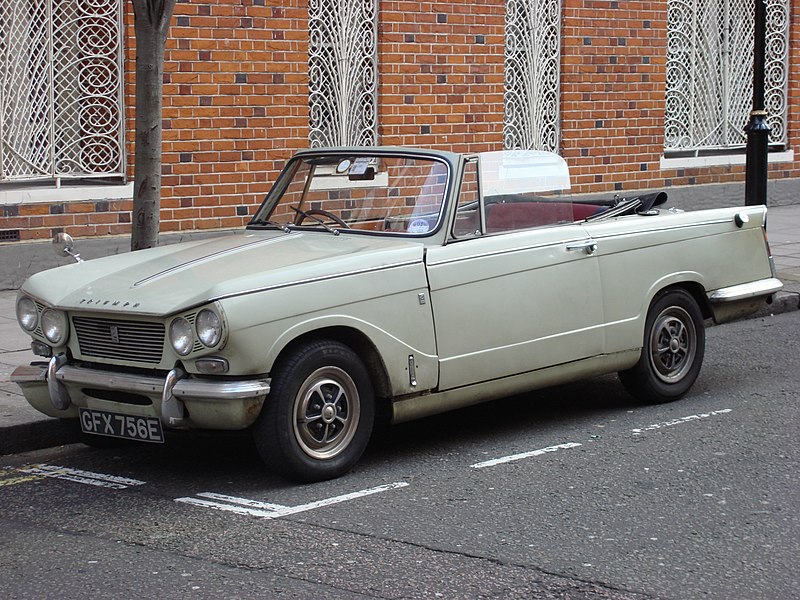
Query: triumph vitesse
[(411, 280)]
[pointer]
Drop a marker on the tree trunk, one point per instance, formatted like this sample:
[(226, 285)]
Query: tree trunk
[(151, 24)]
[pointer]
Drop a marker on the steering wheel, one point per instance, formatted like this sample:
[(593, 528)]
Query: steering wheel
[(318, 211)]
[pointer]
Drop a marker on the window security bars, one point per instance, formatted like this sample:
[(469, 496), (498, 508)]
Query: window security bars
[(61, 91), (710, 73), (343, 72), (532, 75)]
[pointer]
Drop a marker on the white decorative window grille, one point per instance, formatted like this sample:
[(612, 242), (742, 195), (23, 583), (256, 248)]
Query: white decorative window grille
[(532, 74), (61, 89), (710, 73), (343, 72)]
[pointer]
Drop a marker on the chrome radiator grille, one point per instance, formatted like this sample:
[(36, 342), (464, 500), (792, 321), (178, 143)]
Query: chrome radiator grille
[(137, 341)]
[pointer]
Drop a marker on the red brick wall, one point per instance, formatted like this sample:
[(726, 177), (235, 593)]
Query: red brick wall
[(236, 102), (235, 107), (613, 88), (441, 74), (793, 121), (80, 218), (612, 93)]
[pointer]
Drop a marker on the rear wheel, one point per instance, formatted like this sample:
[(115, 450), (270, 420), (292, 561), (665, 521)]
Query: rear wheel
[(672, 351), (318, 417)]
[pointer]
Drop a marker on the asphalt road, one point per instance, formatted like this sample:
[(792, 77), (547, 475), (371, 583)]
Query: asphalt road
[(695, 499)]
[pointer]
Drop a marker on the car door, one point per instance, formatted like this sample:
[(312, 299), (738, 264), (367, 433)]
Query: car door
[(514, 303)]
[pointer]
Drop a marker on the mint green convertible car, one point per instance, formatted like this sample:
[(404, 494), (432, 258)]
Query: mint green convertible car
[(405, 281)]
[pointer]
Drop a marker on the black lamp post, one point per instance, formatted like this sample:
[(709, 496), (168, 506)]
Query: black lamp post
[(755, 186)]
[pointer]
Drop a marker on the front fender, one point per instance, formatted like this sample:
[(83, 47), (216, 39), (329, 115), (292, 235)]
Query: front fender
[(398, 322), (393, 351)]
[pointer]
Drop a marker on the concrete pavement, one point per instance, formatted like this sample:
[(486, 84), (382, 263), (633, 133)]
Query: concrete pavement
[(22, 428)]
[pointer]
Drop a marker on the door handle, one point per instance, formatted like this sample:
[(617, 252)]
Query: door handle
[(589, 246)]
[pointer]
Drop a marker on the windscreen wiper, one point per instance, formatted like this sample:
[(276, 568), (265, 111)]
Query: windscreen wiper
[(282, 226), (314, 217)]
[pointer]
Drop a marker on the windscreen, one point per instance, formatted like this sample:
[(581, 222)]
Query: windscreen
[(380, 194)]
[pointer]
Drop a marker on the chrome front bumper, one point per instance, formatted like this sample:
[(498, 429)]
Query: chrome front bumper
[(57, 389)]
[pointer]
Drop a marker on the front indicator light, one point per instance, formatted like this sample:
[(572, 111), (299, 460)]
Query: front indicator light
[(181, 336), (41, 349), (212, 366)]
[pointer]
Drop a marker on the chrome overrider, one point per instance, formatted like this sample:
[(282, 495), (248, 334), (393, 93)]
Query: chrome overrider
[(183, 400)]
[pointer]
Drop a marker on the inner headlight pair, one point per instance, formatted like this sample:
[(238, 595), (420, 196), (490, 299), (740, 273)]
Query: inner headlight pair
[(55, 325), (207, 327)]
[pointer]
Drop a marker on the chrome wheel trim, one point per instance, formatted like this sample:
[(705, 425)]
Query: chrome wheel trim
[(672, 344), (327, 409)]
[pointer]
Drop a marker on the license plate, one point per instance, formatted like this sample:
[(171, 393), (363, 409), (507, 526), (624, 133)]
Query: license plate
[(129, 427)]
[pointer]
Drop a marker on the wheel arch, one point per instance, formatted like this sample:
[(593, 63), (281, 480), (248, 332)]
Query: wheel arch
[(694, 288), (357, 341)]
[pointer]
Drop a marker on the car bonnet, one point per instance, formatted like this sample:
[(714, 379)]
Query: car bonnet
[(168, 279)]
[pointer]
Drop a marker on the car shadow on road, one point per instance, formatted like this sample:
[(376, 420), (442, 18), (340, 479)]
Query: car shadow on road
[(545, 414), (541, 418), (233, 457)]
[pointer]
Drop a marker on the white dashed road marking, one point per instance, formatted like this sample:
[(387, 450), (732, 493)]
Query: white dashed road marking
[(523, 455), (78, 476), (267, 510), (682, 420)]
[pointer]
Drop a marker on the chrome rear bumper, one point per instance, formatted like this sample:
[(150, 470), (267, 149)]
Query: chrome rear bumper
[(744, 291), (737, 301)]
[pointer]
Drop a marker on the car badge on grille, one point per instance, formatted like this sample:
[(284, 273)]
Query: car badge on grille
[(115, 334)]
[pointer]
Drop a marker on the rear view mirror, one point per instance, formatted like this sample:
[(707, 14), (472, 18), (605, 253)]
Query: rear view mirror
[(64, 245), (361, 170)]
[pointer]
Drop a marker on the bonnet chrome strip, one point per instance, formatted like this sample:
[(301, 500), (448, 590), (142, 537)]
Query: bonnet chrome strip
[(207, 257), (277, 286)]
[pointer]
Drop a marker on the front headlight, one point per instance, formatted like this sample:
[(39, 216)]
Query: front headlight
[(55, 326), (27, 315), (181, 336), (209, 327)]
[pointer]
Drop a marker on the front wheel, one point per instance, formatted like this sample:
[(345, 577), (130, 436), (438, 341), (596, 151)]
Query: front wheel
[(672, 352), (318, 417)]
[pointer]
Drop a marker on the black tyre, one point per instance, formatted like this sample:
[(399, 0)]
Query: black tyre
[(318, 417), (672, 351)]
